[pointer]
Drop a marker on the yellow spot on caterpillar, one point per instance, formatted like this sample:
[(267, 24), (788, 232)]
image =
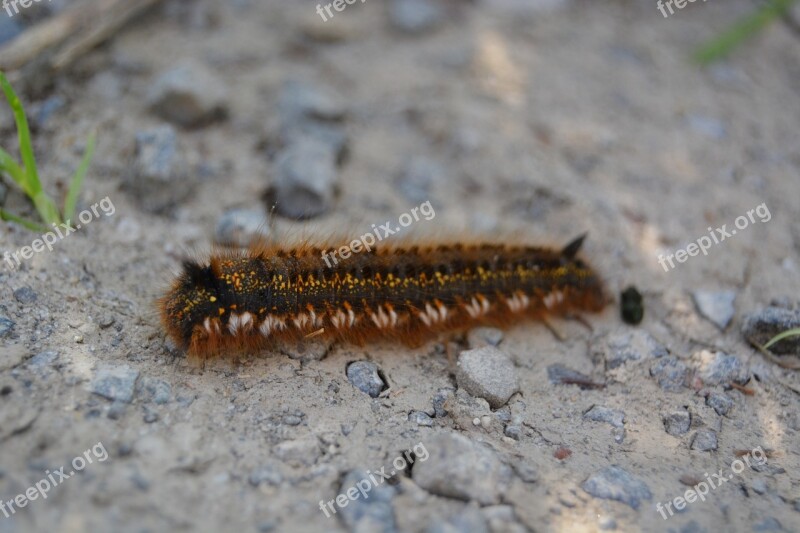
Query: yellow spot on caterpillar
[(213, 299)]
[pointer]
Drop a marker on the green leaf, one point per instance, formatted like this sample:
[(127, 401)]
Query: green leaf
[(722, 45), (33, 226), (32, 187), (779, 337), (77, 180), (12, 168)]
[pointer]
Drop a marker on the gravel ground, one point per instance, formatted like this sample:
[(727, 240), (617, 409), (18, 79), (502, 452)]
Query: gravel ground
[(537, 120)]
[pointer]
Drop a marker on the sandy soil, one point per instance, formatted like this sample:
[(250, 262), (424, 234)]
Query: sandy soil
[(545, 122)]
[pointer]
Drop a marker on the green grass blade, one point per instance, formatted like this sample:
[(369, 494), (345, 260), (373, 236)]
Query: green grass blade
[(12, 168), (723, 44), (77, 179), (779, 337), (33, 226), (33, 186)]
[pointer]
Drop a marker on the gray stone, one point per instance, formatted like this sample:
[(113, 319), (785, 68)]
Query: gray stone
[(462, 469), (670, 373), (759, 486), (616, 483), (159, 173), (415, 16), (487, 373), (483, 336), (559, 374), (114, 382), (306, 350), (716, 306), (155, 390), (704, 440), (625, 345), (597, 413), (43, 360), (513, 431), (761, 326), (718, 368), (241, 227), (299, 101), (439, 399), (305, 179), (25, 295), (364, 376), (677, 422), (6, 327), (189, 95), (420, 418), (371, 513), (268, 474), (720, 402)]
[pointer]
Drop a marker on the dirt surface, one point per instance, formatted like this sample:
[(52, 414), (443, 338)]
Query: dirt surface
[(541, 120)]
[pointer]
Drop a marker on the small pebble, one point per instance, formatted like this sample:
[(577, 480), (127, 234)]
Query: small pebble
[(299, 100), (670, 373), (716, 306), (420, 418), (704, 440), (189, 95), (761, 326), (625, 345), (6, 327), (483, 336), (487, 373), (364, 376), (241, 227), (718, 368), (158, 174), (305, 180), (461, 468), (616, 483), (677, 422), (759, 486), (559, 374), (25, 295), (513, 431), (114, 382), (720, 402), (597, 413), (439, 399), (155, 390)]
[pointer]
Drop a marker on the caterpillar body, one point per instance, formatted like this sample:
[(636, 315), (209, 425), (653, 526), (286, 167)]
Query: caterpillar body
[(248, 300)]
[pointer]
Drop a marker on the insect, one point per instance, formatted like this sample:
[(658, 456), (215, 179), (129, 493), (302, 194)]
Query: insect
[(239, 301)]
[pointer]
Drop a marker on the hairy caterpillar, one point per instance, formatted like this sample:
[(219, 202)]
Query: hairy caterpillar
[(246, 300)]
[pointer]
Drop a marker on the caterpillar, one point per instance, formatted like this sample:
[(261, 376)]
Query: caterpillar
[(249, 299)]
